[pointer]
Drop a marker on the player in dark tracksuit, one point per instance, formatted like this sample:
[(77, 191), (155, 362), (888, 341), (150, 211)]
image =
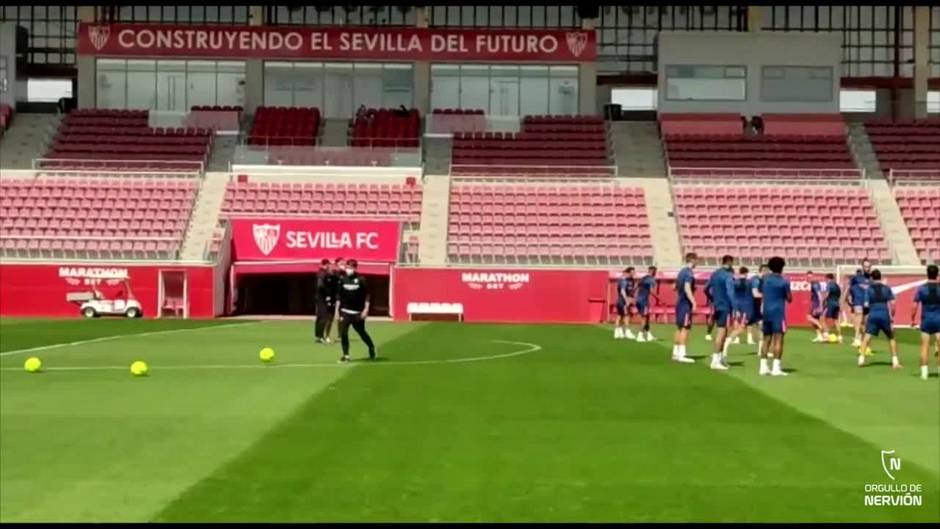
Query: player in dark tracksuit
[(353, 309), (326, 300), (928, 299)]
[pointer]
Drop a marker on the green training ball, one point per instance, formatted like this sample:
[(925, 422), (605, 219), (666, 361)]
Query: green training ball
[(266, 354), (32, 365), (139, 368)]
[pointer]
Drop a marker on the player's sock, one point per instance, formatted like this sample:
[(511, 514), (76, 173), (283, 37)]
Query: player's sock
[(895, 362), (675, 350), (924, 372), (777, 370), (650, 337), (628, 334), (764, 367), (708, 337), (618, 333), (861, 359), (750, 339)]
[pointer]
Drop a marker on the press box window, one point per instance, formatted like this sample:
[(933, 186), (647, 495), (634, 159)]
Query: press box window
[(706, 83), (796, 83)]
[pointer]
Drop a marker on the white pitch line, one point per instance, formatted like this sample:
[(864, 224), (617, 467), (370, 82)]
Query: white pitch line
[(529, 348), (119, 336)]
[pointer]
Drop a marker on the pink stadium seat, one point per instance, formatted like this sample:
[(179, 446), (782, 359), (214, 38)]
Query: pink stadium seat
[(541, 224), (782, 220)]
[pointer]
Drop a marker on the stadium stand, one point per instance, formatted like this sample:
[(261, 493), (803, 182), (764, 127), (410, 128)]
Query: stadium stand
[(396, 201), (754, 222), (548, 224), (791, 146), (285, 126), (545, 145), (907, 149), (921, 210), (385, 128), (95, 217), (122, 139)]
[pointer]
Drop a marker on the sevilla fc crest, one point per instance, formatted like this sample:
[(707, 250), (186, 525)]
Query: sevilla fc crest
[(577, 41), (99, 35), (266, 236)]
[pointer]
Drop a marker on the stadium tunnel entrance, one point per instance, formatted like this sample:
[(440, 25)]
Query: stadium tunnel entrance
[(274, 289)]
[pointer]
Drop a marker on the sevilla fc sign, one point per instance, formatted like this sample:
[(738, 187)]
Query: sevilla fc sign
[(396, 44), (294, 239)]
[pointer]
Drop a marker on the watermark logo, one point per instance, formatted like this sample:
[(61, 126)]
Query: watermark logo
[(889, 462), (893, 494)]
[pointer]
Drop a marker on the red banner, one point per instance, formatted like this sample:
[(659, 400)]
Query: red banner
[(28, 290), (296, 239), (390, 44), (495, 295)]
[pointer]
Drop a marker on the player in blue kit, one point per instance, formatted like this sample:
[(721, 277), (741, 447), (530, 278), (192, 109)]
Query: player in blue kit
[(775, 291), (743, 307), (757, 283), (644, 290), (685, 308), (625, 292), (815, 306), (832, 294), (927, 299), (855, 294), (879, 300), (721, 287)]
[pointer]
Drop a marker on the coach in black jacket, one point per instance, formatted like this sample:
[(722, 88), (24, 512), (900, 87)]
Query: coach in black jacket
[(353, 309), (327, 283)]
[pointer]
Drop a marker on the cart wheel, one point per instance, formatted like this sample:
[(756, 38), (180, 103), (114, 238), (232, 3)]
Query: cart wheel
[(89, 312), (132, 312)]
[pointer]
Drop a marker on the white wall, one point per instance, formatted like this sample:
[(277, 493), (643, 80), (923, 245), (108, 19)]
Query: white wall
[(752, 50)]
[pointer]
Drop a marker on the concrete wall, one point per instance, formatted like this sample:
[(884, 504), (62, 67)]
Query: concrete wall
[(753, 51), (8, 50)]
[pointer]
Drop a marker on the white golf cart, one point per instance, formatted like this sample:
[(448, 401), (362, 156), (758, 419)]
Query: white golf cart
[(94, 304)]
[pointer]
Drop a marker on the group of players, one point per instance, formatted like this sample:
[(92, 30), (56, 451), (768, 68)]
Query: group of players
[(741, 303)]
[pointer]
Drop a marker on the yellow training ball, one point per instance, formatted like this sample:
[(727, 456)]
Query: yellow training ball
[(32, 365), (266, 354), (833, 338), (139, 368)]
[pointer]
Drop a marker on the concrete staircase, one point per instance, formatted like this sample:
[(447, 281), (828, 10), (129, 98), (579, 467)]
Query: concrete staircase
[(437, 154), (435, 205), (892, 222), (205, 216), (667, 249), (638, 151), (334, 132), (27, 139), (863, 151)]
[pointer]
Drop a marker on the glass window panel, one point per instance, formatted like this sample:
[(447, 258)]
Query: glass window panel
[(634, 98), (563, 95), (796, 83), (278, 84), (141, 84), (200, 81), (933, 102), (231, 87), (111, 83), (705, 82), (397, 84), (475, 87), (445, 86), (308, 84), (504, 90), (171, 86), (339, 90), (533, 83), (857, 101), (367, 85)]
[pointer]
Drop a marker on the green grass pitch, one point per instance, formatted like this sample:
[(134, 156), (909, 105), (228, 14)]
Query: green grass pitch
[(458, 422)]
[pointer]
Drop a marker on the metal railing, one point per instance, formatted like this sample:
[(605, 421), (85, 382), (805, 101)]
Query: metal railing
[(778, 175), (914, 176), (531, 171)]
